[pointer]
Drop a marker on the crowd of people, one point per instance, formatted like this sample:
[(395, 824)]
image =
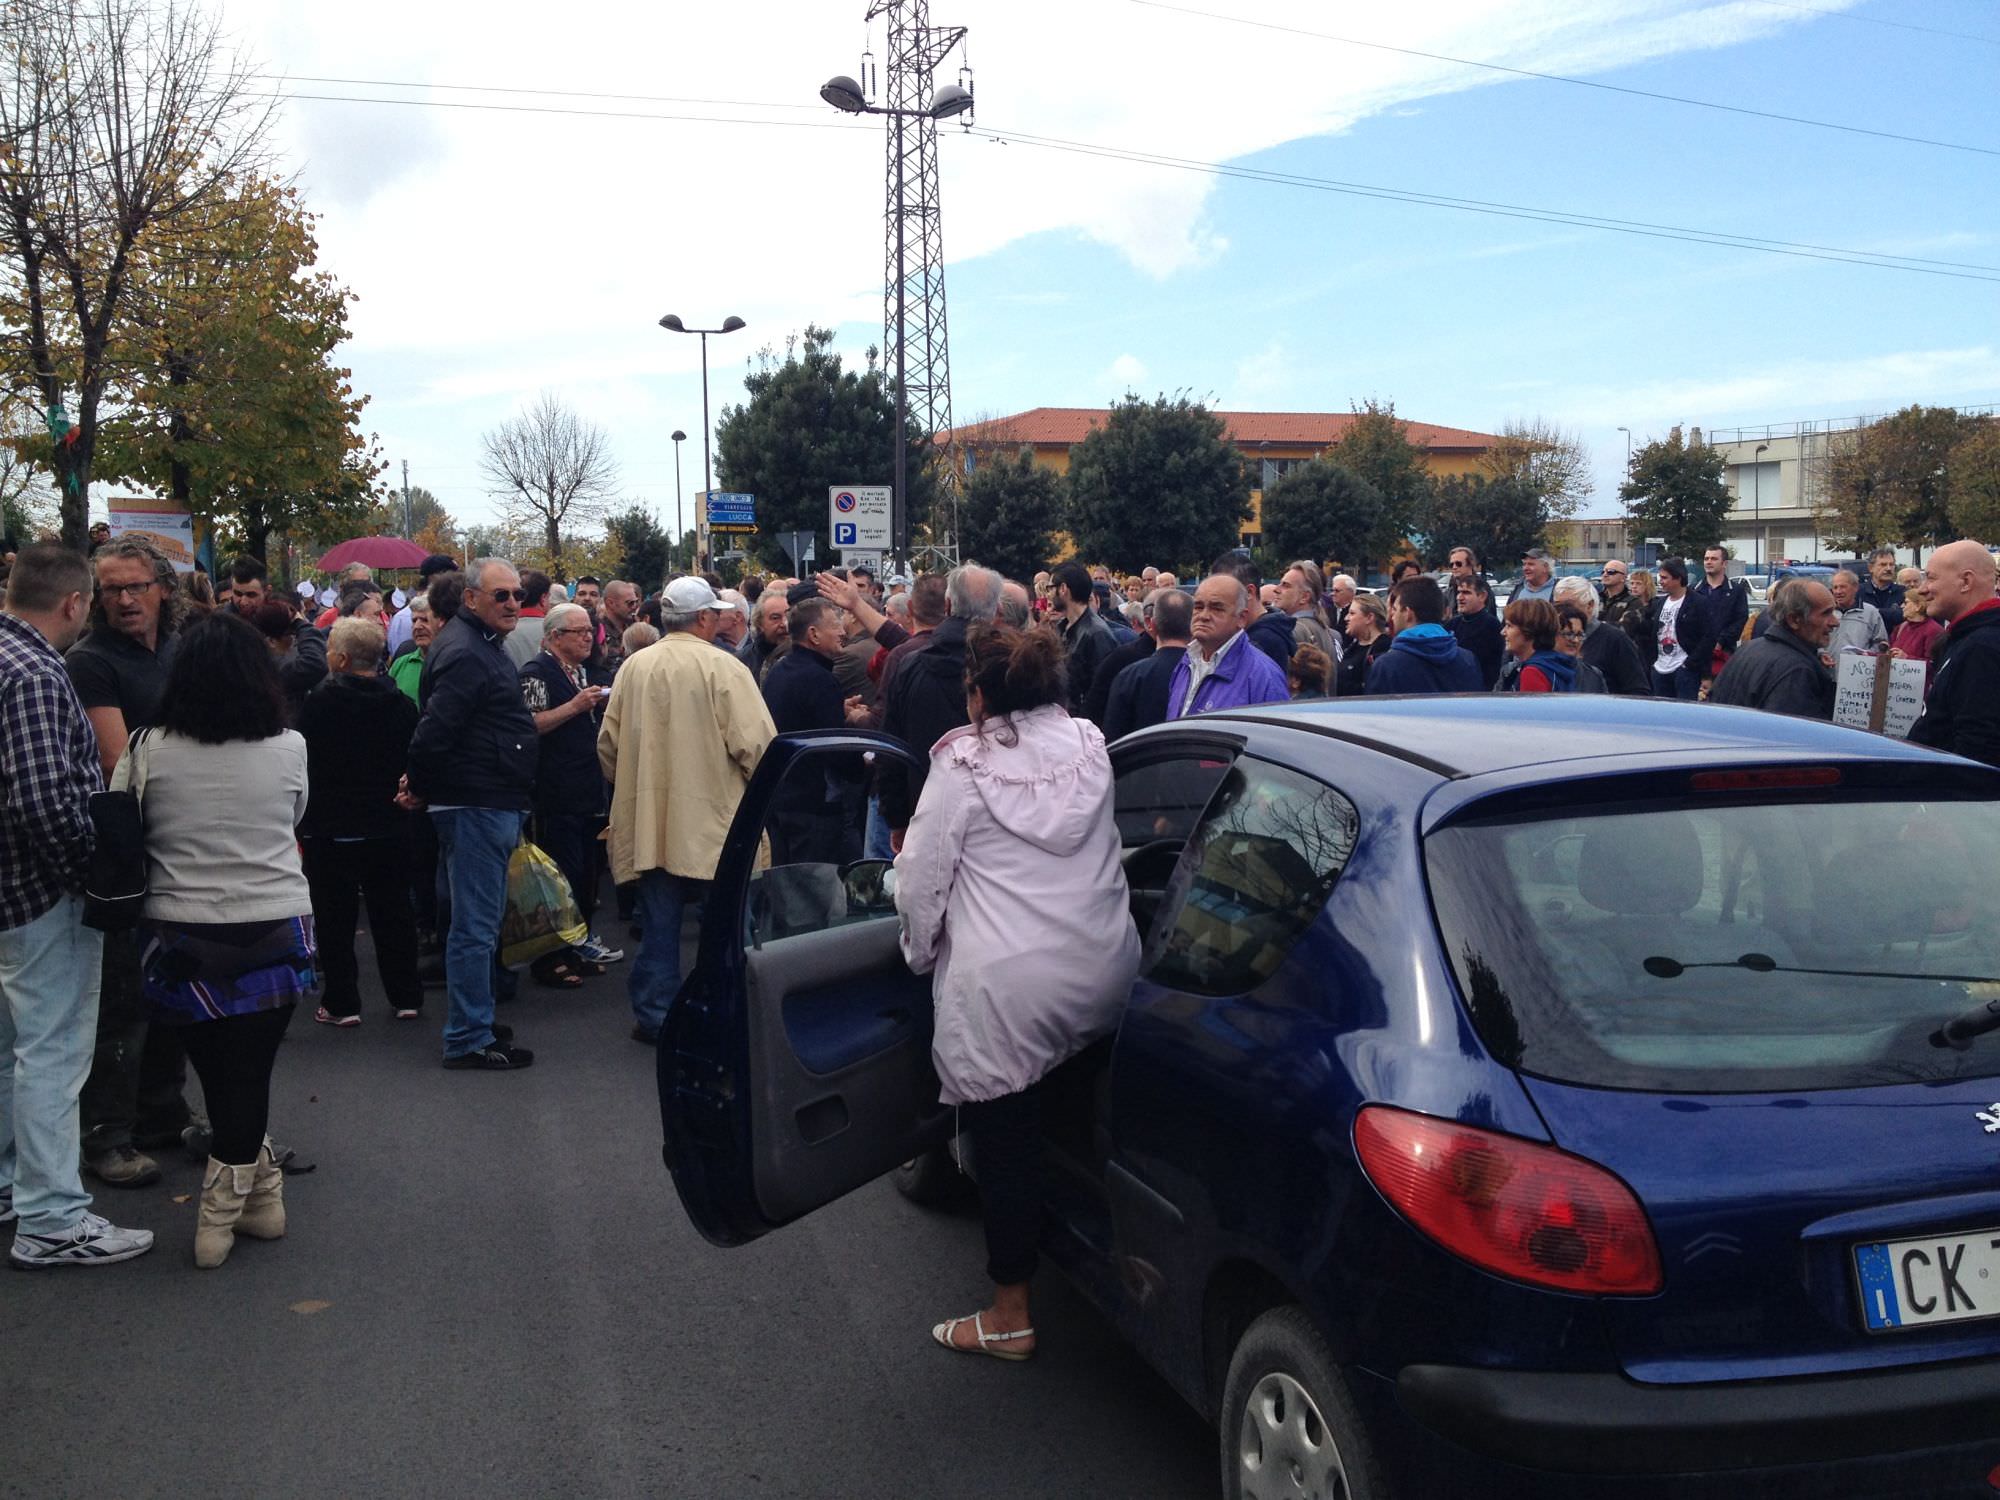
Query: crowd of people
[(298, 765)]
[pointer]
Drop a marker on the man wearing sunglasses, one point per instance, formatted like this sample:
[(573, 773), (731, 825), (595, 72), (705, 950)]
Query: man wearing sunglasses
[(472, 763)]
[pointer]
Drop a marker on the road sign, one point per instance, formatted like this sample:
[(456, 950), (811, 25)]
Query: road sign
[(731, 512), (860, 516), (863, 557)]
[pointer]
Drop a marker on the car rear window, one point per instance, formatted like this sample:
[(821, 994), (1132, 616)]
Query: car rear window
[(1727, 947)]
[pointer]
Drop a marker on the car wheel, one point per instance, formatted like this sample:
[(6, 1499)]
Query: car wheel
[(932, 1180), (1288, 1427)]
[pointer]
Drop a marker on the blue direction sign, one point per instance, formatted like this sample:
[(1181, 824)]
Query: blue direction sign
[(729, 511)]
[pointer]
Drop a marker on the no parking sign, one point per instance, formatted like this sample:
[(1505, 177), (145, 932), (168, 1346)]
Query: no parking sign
[(859, 515)]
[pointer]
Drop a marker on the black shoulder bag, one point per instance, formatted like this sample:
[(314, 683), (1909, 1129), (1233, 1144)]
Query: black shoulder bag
[(114, 889)]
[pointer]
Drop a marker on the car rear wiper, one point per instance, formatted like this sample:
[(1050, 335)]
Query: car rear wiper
[(1957, 1032)]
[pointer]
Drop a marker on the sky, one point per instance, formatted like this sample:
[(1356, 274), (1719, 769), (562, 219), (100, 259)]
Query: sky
[(507, 235)]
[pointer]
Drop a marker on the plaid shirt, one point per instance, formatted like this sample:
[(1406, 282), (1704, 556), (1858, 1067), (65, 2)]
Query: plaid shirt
[(48, 769)]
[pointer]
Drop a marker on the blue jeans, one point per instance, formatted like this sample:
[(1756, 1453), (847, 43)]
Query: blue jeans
[(875, 845), (48, 1028), (1683, 683), (656, 972), (474, 844)]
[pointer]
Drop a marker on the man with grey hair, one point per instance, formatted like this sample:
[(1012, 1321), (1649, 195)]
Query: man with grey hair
[(473, 760), (569, 792), (1605, 647), (735, 623), (1017, 608), (1339, 595), (1882, 589), (925, 700), (682, 734), (1781, 671), (1223, 668), (1138, 695)]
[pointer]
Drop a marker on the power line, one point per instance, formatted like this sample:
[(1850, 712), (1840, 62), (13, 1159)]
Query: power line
[(546, 109), (1844, 15), (1581, 83), (1881, 260), (488, 88)]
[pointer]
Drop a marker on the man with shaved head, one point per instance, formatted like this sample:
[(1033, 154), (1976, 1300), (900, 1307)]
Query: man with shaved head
[(1962, 703)]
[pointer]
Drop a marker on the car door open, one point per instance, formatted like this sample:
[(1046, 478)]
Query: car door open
[(794, 1065)]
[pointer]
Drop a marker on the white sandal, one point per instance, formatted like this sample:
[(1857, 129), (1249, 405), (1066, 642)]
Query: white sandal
[(943, 1334)]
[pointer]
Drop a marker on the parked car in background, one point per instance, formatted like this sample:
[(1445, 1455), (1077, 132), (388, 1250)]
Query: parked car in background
[(1509, 1104)]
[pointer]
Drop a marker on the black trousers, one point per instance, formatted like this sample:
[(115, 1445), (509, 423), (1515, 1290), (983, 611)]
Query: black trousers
[(570, 839), (343, 876), (424, 874), (138, 1073), (1007, 1150), (233, 1058)]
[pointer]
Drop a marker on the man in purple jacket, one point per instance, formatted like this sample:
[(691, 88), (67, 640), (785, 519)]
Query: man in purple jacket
[(1222, 668)]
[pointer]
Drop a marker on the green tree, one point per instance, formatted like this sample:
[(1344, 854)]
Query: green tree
[(1676, 493), (1975, 480), (1498, 518), (1912, 451), (125, 124), (647, 548), (1159, 481), (1376, 448), (808, 425), (1009, 513), (1322, 512)]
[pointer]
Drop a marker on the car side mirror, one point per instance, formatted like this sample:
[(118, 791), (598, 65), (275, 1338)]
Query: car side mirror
[(870, 886)]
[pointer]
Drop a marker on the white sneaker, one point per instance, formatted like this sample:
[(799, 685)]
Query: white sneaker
[(593, 948), (93, 1241)]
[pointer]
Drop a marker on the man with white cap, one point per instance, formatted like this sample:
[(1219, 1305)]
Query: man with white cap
[(684, 729)]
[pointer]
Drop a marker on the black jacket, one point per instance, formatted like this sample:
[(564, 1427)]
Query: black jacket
[(1350, 678), (568, 778), (802, 693), (475, 745), (925, 702), (1642, 624), (815, 813), (1099, 699), (1085, 644), (1140, 692), (1887, 599), (1480, 635), (357, 732), (302, 668), (1611, 652), (1694, 628), (1729, 611), (1778, 673), (1962, 708), (1271, 632)]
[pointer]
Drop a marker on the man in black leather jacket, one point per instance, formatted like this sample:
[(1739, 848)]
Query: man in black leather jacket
[(472, 760)]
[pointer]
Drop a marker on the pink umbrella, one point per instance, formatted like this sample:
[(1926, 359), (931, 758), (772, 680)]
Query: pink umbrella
[(376, 552)]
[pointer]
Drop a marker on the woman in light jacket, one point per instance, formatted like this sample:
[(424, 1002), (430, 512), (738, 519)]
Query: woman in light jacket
[(1012, 836), (227, 927)]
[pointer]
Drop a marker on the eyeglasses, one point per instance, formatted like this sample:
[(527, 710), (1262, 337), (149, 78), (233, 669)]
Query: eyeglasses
[(569, 630), (126, 590), (502, 595)]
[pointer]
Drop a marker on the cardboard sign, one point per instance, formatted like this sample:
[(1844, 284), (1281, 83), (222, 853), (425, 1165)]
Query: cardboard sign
[(160, 522), (1878, 692)]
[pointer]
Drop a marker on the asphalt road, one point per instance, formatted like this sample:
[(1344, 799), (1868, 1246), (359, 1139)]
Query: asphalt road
[(488, 1288)]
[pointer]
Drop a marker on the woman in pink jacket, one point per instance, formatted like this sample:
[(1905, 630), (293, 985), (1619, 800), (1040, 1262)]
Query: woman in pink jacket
[(1011, 891)]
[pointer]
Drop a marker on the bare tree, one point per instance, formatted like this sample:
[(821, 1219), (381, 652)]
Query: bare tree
[(121, 121), (1552, 463), (551, 469)]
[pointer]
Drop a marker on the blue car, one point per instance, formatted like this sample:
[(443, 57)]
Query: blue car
[(1547, 1097)]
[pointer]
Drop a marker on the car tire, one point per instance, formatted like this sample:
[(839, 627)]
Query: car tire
[(1289, 1426), (932, 1180)]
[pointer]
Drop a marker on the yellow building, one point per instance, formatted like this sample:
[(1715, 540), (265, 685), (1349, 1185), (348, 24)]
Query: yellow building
[(1272, 442)]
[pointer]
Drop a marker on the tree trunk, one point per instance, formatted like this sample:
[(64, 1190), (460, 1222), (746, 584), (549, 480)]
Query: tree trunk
[(554, 540), (256, 530), (72, 466)]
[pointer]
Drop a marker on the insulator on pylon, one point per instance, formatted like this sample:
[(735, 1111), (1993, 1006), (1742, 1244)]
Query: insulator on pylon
[(868, 75)]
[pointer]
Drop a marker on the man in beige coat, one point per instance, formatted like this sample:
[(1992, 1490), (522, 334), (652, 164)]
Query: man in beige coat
[(683, 731)]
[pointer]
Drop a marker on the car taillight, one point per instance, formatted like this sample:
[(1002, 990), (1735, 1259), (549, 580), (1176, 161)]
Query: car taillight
[(1510, 1206)]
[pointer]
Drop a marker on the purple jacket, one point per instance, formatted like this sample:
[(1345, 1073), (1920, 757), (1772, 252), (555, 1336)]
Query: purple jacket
[(1244, 676)]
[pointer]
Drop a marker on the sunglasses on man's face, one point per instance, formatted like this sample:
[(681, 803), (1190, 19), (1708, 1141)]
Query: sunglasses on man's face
[(503, 595)]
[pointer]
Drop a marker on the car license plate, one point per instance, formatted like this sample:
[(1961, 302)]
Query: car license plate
[(1943, 1278)]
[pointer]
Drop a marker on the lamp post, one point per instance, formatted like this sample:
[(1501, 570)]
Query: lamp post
[(845, 95), (673, 324), (675, 551), (1624, 504), (1757, 501)]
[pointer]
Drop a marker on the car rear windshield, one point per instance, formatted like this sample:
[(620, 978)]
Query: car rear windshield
[(1727, 947)]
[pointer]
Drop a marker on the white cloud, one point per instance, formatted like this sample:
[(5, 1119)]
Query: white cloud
[(1793, 391), (1127, 373)]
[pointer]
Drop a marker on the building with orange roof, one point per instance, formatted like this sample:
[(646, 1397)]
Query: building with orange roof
[(1271, 441)]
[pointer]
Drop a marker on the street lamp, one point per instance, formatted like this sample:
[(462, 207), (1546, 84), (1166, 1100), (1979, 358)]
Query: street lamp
[(673, 324), (1757, 502), (1624, 504), (679, 438), (845, 95)]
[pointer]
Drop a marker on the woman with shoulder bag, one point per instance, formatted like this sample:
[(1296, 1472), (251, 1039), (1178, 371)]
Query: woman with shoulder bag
[(227, 929)]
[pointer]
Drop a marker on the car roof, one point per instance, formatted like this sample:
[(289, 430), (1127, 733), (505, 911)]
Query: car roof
[(1477, 734)]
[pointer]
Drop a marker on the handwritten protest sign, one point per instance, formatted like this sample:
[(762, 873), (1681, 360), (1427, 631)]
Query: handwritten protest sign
[(1878, 692)]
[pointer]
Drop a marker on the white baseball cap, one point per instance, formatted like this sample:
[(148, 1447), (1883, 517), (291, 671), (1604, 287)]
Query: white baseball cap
[(685, 595)]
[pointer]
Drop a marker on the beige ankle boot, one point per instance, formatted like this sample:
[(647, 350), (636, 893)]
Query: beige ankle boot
[(223, 1190), (264, 1210)]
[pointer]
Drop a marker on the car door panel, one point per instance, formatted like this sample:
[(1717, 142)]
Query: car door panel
[(794, 1064)]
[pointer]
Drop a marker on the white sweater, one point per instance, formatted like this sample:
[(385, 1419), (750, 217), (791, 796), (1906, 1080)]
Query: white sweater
[(220, 845)]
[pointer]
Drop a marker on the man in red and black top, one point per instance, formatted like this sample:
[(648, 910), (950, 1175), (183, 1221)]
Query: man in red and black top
[(1962, 705)]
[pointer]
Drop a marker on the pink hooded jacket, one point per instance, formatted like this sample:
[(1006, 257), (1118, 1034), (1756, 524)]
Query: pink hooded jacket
[(1011, 889)]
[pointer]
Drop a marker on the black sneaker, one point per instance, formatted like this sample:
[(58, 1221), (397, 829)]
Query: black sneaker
[(498, 1058), (644, 1037), (502, 1032)]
